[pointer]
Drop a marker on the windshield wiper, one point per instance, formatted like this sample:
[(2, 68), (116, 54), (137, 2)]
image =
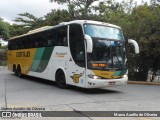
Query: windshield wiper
[(114, 54), (119, 61)]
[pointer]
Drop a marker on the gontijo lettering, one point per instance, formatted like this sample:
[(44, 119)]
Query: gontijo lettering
[(23, 54)]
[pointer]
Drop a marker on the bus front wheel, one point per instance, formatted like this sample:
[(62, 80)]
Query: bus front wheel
[(61, 80)]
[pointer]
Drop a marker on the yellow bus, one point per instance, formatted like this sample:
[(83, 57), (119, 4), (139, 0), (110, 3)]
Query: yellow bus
[(83, 53)]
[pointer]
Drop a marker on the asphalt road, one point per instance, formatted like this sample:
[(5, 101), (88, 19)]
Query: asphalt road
[(33, 92)]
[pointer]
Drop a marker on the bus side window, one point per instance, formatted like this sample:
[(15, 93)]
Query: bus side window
[(27, 44), (10, 45), (65, 42), (23, 43), (44, 39), (49, 43), (37, 40), (14, 45), (51, 38), (17, 46), (62, 36), (60, 41)]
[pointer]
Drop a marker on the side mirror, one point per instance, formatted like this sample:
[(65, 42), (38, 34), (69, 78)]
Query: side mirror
[(135, 45), (89, 43)]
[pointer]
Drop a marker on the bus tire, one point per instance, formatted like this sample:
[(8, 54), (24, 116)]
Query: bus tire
[(19, 73), (14, 69), (60, 79)]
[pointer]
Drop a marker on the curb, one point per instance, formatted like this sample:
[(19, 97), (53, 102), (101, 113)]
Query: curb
[(143, 83)]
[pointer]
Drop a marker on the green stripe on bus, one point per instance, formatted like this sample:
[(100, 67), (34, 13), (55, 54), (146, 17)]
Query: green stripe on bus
[(45, 59), (117, 73), (123, 72), (37, 59), (120, 73)]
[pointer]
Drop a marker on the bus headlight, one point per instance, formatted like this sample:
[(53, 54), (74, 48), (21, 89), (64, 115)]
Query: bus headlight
[(124, 76), (94, 76)]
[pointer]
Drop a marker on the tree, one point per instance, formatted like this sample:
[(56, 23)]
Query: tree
[(144, 27), (78, 9), (26, 22), (56, 16), (4, 29)]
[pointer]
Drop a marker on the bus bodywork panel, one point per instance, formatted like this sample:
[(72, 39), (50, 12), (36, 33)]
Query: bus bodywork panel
[(24, 58), (44, 62)]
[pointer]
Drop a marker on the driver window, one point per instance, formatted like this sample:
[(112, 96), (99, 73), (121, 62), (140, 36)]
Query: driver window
[(77, 46)]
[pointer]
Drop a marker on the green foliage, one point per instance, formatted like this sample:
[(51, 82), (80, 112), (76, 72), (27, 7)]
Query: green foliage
[(3, 55), (57, 16), (4, 29), (25, 22), (146, 19), (77, 8)]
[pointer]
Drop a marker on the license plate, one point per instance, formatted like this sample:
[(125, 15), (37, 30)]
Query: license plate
[(112, 83)]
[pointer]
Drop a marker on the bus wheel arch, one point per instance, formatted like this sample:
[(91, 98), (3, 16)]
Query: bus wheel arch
[(18, 71), (14, 68), (60, 79)]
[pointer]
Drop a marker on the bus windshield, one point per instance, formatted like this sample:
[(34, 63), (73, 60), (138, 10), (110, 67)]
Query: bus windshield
[(108, 48), (105, 32)]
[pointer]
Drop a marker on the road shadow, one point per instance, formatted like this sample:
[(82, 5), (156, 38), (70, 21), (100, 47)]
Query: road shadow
[(94, 90), (70, 88), (37, 80)]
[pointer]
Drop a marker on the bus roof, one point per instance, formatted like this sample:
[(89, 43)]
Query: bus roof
[(62, 24), (92, 22), (32, 32)]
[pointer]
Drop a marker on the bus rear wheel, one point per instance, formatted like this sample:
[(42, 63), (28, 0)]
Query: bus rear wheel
[(61, 80), (14, 69), (19, 73)]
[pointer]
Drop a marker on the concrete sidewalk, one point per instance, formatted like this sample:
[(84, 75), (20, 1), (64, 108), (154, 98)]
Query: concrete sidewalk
[(143, 83), (3, 68)]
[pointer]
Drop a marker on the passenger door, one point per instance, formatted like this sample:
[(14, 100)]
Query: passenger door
[(76, 63)]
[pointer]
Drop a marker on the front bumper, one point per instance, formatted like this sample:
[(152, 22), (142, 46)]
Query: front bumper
[(100, 83)]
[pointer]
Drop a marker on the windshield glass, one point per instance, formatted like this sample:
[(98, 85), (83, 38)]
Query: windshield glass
[(105, 32), (107, 55), (108, 48)]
